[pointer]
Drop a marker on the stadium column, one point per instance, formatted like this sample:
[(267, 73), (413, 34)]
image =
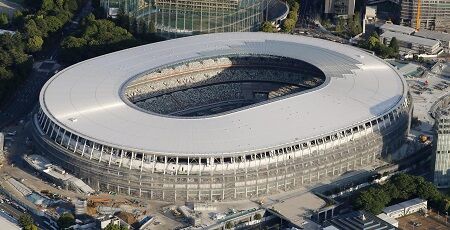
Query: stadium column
[(84, 147), (165, 164), (62, 137), (177, 165), (57, 134), (110, 156), (121, 158), (257, 164), (199, 166), (45, 124), (39, 114), (188, 166), (48, 127), (92, 150), (154, 163), (142, 161), (42, 120), (53, 129), (133, 155), (76, 144), (101, 154), (68, 141)]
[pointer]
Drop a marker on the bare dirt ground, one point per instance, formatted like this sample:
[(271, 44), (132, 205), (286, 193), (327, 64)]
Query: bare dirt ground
[(419, 221)]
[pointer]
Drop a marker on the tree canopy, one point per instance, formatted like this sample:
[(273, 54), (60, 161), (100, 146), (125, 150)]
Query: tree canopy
[(66, 220), (112, 226), (96, 38), (26, 222), (289, 23), (399, 188), (32, 28), (268, 27), (373, 43)]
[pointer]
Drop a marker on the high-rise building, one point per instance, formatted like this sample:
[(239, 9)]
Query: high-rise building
[(175, 18), (441, 149), (339, 8), (434, 14)]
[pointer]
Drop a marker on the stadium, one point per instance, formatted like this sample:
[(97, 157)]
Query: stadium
[(221, 117)]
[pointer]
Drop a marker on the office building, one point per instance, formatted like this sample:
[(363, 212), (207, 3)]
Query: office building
[(431, 15), (340, 8)]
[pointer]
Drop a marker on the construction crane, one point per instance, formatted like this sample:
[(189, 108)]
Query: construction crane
[(418, 16)]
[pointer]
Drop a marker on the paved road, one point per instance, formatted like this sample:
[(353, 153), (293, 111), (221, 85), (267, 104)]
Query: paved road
[(11, 210)]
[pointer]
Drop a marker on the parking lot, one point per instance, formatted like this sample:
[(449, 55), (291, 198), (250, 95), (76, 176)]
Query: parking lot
[(419, 221)]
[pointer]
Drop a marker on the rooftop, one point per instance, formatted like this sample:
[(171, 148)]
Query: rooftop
[(397, 28), (431, 34), (85, 98), (402, 205), (410, 38), (360, 220)]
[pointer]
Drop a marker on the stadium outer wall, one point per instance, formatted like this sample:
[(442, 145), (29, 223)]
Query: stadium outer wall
[(306, 163)]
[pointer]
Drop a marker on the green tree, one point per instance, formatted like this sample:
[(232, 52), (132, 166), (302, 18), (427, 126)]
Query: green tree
[(373, 200), (268, 27), (41, 25), (26, 222), (354, 24), (294, 5), (288, 25), (258, 216), (405, 185), (112, 226), (53, 23), (47, 5), (372, 43), (340, 25), (229, 225), (293, 15), (3, 20), (35, 43), (31, 29), (66, 220), (394, 45), (71, 5)]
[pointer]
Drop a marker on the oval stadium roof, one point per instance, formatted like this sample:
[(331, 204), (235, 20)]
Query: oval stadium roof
[(86, 98)]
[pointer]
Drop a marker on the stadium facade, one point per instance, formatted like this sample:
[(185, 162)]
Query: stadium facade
[(186, 17), (231, 116)]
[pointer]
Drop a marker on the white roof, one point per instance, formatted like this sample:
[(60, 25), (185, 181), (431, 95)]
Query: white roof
[(410, 38), (403, 205), (359, 87), (397, 28)]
